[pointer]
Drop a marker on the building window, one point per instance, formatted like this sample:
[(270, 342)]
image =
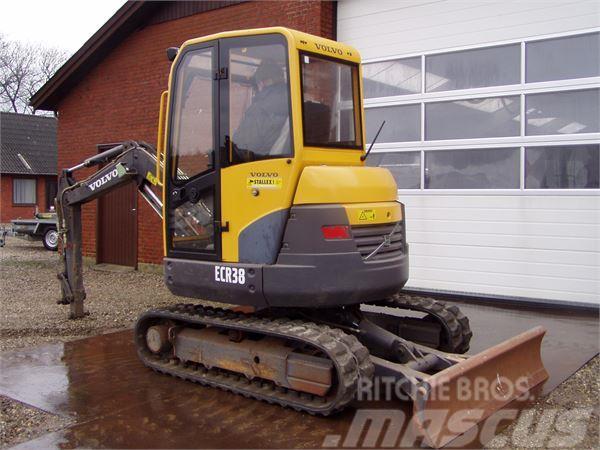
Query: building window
[(24, 191), (494, 66), (402, 123), (568, 112), (404, 166), (560, 167), (390, 78), (487, 168), (480, 118), (563, 58), (473, 118)]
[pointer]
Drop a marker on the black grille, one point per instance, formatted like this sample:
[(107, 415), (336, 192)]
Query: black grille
[(369, 238)]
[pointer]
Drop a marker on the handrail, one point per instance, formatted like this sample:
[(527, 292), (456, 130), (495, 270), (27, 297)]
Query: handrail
[(160, 144)]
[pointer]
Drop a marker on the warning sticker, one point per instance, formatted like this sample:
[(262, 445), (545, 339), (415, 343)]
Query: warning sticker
[(121, 169), (366, 215), (151, 178), (264, 182)]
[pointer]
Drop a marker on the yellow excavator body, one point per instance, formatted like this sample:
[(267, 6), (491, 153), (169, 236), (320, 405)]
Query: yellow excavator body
[(267, 205), (279, 180)]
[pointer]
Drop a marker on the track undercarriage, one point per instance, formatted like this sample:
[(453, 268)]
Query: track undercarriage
[(293, 357), (316, 361)]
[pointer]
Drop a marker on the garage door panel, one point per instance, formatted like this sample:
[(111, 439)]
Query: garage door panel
[(493, 290), (519, 268), (418, 16), (505, 215), (485, 229), (418, 39), (510, 280), (568, 257), (500, 240), (536, 229), (493, 200), (381, 29)]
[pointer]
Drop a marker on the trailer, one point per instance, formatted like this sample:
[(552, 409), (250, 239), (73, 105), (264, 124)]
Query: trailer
[(42, 227)]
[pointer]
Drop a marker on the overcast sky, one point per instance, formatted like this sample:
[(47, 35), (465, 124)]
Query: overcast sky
[(65, 24)]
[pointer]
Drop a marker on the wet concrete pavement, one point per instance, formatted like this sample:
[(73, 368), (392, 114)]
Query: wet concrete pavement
[(115, 402)]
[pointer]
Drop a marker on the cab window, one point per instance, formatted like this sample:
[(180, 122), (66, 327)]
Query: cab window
[(259, 107), (330, 102), (192, 137)]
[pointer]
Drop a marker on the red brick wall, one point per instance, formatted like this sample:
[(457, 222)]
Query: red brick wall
[(8, 210), (119, 98)]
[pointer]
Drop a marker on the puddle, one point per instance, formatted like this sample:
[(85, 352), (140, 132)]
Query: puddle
[(116, 402)]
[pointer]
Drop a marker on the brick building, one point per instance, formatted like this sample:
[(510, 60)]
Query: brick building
[(27, 165), (109, 91)]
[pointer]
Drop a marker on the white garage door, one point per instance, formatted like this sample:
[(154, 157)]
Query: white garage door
[(493, 135)]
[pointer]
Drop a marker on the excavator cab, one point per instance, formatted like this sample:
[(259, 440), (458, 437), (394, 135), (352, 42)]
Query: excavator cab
[(267, 205), (264, 184)]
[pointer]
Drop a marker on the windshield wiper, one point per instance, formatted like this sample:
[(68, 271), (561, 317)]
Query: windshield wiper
[(363, 157)]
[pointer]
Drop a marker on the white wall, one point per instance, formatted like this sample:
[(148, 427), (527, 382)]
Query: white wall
[(539, 246), (385, 28), (519, 243)]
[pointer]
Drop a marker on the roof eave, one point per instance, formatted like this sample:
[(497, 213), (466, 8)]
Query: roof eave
[(47, 97)]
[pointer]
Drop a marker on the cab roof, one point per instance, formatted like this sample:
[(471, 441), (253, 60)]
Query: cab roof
[(296, 39)]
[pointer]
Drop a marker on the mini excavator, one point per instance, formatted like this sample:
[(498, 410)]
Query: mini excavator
[(267, 206)]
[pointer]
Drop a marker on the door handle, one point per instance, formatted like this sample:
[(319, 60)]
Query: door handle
[(221, 227)]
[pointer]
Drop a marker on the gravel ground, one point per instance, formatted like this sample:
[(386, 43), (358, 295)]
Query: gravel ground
[(29, 290), (28, 294), (567, 418), (19, 422), (30, 317)]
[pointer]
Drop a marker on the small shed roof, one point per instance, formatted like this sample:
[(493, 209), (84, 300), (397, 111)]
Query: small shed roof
[(27, 144)]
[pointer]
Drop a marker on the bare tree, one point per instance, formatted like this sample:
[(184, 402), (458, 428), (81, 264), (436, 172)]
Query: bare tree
[(24, 68)]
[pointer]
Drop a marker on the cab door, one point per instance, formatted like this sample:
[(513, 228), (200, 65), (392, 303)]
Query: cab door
[(256, 147), (192, 187)]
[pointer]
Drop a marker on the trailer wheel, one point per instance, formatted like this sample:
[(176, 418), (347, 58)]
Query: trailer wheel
[(50, 239)]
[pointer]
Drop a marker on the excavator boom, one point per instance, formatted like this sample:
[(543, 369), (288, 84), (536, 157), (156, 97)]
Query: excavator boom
[(125, 163)]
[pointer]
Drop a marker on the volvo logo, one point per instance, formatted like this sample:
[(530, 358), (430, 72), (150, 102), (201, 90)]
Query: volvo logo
[(387, 240), (329, 49), (105, 179)]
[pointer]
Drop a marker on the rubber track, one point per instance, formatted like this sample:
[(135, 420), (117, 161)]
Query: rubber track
[(455, 324), (350, 358)]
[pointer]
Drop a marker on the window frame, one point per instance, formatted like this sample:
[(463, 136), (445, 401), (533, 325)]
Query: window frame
[(526, 118), (172, 161), (35, 186), (358, 116), (515, 150), (526, 50), (554, 147), (420, 119), (521, 140), (225, 45), (464, 51), (393, 61)]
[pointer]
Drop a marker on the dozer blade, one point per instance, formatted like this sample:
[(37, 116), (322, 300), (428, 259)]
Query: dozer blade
[(450, 402)]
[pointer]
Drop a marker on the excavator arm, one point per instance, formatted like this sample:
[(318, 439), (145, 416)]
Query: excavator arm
[(125, 163)]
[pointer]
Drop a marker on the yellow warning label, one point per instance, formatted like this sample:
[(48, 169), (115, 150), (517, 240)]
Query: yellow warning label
[(366, 215), (264, 182), (151, 178)]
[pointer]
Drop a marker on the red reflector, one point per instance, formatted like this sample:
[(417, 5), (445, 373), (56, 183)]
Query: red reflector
[(336, 231)]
